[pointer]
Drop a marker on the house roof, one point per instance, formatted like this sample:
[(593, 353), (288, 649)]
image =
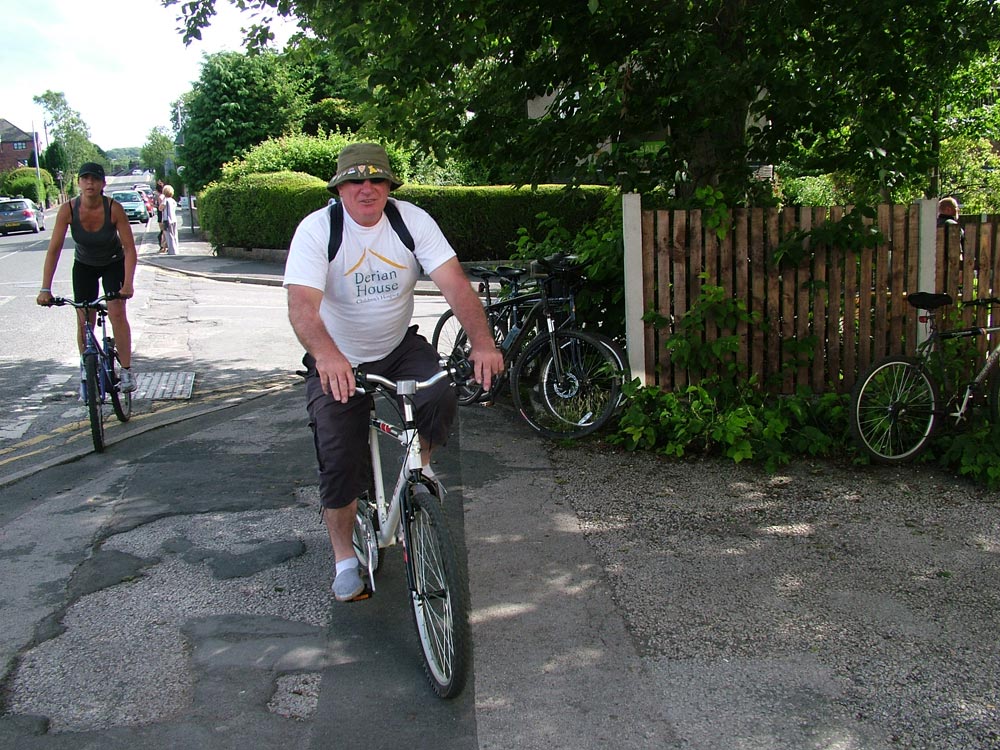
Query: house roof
[(10, 133)]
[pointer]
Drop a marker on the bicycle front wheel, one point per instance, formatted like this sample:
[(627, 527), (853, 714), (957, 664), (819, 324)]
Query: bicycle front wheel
[(95, 407), (566, 384), (439, 595), (452, 343), (894, 410), (122, 402)]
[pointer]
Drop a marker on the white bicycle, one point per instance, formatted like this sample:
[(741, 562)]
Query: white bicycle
[(413, 516)]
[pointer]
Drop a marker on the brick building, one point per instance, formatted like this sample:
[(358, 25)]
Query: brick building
[(17, 148)]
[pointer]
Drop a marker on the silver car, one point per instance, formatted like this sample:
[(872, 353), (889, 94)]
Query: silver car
[(20, 215), (134, 205)]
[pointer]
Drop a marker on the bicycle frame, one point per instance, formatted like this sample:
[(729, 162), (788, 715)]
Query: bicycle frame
[(102, 388), (931, 348), (391, 508)]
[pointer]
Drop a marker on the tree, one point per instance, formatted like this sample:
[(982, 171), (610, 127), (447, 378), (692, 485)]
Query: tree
[(238, 101), (673, 92), (69, 129), (158, 149)]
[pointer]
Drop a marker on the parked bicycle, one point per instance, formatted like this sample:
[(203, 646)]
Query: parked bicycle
[(436, 579), (101, 367), (564, 382), (902, 402)]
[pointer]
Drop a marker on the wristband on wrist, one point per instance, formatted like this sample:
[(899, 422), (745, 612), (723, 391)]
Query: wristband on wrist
[(45, 289)]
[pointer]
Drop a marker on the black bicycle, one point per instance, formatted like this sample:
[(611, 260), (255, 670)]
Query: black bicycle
[(901, 402), (565, 383), (101, 367)]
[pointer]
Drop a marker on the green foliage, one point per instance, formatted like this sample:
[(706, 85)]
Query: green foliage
[(723, 411), (67, 126), (599, 246), (259, 210), (238, 101), (480, 223), (715, 212), (853, 231), (158, 149), (25, 181), (973, 453), (315, 155), (818, 190), (970, 171), (742, 424), (712, 360), (332, 115)]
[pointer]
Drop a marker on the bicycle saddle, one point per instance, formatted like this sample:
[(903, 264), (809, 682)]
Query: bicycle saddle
[(929, 300)]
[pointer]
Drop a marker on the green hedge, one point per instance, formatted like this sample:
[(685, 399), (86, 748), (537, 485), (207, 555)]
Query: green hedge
[(263, 210)]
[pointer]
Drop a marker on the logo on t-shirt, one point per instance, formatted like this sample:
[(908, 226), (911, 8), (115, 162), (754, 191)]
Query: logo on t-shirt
[(373, 283)]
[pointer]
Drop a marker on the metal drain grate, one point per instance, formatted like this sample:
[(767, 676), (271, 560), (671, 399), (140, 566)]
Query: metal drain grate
[(164, 385)]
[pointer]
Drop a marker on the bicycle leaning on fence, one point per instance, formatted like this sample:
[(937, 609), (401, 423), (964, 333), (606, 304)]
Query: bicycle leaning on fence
[(901, 402), (565, 383), (101, 367), (436, 578)]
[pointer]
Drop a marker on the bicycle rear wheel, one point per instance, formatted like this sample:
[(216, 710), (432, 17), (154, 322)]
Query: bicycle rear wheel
[(121, 402), (439, 595), (95, 407), (894, 409), (567, 386)]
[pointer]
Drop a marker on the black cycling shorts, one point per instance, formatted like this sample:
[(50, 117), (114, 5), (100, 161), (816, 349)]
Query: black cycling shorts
[(87, 278)]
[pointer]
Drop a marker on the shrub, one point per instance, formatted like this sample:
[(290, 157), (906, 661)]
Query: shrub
[(480, 222), (259, 210), (314, 155)]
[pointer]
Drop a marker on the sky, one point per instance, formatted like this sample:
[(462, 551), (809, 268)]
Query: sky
[(120, 63)]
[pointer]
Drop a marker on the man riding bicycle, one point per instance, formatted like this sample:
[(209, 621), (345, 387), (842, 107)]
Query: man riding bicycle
[(354, 309)]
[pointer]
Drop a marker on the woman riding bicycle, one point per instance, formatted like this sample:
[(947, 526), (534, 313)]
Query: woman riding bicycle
[(105, 252)]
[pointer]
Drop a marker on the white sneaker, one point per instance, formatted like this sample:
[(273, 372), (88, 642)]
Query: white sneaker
[(126, 383)]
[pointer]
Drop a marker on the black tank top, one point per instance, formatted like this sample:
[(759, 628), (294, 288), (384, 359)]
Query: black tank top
[(100, 248)]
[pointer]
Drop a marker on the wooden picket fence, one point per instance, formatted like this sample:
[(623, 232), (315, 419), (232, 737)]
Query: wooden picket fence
[(824, 319)]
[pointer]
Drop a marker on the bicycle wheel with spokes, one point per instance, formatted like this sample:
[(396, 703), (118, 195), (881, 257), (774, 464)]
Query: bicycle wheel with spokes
[(566, 385), (121, 402), (439, 595), (95, 407), (452, 343), (894, 409)]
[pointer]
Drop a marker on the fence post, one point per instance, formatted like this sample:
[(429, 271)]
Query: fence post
[(927, 254), (635, 340)]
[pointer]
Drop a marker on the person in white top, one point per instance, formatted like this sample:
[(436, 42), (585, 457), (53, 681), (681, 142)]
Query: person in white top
[(170, 220), (355, 310)]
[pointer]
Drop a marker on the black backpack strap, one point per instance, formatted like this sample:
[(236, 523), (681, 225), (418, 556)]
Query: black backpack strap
[(392, 211), (337, 228)]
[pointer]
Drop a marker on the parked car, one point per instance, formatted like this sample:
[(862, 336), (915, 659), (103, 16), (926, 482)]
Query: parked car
[(134, 205), (20, 215)]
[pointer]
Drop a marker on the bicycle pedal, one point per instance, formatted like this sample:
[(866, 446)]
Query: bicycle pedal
[(366, 594)]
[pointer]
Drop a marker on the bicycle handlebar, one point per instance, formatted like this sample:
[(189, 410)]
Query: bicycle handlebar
[(982, 302), (403, 387), (97, 304)]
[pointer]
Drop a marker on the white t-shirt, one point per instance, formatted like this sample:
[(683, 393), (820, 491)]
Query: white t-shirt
[(368, 288)]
